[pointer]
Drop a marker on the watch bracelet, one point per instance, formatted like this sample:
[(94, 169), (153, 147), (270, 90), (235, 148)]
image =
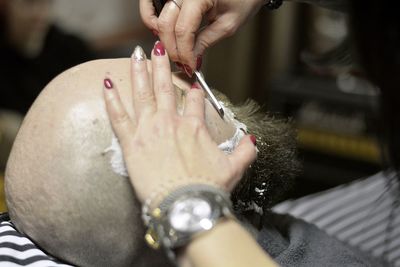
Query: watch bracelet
[(192, 190), (163, 192), (147, 213)]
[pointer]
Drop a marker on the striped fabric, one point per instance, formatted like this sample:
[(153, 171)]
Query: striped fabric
[(364, 214), (17, 250)]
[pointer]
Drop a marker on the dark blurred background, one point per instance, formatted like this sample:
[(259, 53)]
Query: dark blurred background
[(294, 61)]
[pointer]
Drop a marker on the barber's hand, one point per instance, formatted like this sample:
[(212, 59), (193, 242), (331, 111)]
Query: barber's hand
[(164, 150), (178, 28)]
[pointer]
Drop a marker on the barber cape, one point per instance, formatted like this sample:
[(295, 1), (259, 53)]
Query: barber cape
[(294, 242), (291, 242)]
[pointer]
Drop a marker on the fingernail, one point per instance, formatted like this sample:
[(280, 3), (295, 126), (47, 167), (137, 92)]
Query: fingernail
[(199, 61), (195, 85), (188, 70), (159, 49), (108, 83), (138, 54), (155, 32), (253, 139)]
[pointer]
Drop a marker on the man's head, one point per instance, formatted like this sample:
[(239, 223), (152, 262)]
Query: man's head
[(65, 187)]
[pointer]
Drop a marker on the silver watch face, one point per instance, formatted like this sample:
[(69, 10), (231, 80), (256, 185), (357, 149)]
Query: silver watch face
[(191, 215)]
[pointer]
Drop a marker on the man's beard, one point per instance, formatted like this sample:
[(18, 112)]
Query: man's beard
[(271, 176)]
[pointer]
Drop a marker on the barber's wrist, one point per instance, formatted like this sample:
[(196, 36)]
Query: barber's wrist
[(223, 228), (205, 244), (228, 244), (201, 244)]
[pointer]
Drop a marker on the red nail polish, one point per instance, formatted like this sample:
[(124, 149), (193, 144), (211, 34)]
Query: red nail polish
[(253, 139), (159, 49), (199, 61), (108, 83), (155, 32), (195, 85), (188, 70)]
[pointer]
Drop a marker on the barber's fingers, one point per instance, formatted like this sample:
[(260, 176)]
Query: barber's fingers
[(122, 124), (187, 26), (148, 14), (243, 155), (194, 105), (166, 29), (162, 79), (224, 26), (143, 95)]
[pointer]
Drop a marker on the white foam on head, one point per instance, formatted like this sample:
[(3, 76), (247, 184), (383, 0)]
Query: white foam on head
[(117, 160)]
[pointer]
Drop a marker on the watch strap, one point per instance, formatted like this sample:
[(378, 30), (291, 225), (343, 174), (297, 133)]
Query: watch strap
[(160, 234)]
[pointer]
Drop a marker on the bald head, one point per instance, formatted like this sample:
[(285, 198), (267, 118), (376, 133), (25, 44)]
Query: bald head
[(65, 183), (63, 186)]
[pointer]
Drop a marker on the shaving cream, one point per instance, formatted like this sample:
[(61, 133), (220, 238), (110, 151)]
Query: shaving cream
[(229, 145), (117, 159)]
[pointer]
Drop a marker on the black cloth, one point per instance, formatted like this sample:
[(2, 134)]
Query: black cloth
[(293, 242), (290, 242), (22, 78)]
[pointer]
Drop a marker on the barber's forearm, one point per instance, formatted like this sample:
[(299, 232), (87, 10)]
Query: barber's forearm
[(227, 245)]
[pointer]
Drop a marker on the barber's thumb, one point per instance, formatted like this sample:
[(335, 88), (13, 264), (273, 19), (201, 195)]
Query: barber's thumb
[(207, 38), (210, 35), (244, 154), (148, 14)]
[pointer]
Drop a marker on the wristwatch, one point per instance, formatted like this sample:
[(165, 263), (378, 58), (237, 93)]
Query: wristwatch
[(186, 213)]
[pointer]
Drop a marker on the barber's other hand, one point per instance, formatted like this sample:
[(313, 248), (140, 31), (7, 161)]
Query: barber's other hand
[(164, 150), (178, 28)]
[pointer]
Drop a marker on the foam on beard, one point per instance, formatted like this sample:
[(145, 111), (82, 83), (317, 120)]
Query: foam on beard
[(117, 160)]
